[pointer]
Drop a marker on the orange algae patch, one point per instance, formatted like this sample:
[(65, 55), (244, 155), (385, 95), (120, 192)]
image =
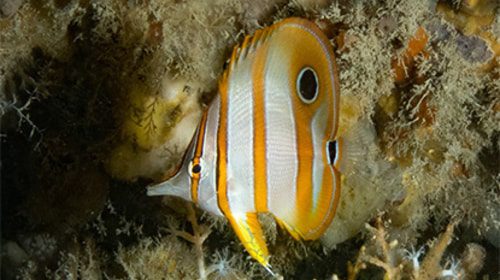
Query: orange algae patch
[(404, 66)]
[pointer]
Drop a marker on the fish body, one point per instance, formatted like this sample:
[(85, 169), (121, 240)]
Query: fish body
[(267, 142)]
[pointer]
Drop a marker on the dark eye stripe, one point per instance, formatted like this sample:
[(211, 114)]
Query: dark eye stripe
[(196, 169)]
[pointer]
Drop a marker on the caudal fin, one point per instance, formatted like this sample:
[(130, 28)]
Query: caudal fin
[(356, 147)]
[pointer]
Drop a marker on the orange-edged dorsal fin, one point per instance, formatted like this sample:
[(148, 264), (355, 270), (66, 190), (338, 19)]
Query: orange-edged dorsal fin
[(248, 46), (241, 51), (249, 231)]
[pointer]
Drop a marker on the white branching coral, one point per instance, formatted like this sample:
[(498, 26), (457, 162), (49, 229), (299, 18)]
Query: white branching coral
[(418, 264), (414, 256), (224, 265), (452, 269)]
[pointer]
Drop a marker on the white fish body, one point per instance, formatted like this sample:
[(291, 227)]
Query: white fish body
[(267, 142)]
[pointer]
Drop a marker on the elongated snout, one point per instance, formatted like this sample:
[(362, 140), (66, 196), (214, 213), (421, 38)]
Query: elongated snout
[(179, 185), (159, 189)]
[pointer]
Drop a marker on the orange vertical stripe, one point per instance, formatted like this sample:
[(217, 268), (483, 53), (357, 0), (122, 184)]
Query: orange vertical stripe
[(304, 178), (259, 127), (194, 189), (195, 180), (201, 135), (222, 149)]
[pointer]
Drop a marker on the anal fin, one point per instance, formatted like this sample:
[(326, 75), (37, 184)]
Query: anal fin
[(249, 231)]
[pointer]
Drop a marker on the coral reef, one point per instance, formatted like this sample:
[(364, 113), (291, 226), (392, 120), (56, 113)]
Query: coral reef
[(100, 98), (398, 262)]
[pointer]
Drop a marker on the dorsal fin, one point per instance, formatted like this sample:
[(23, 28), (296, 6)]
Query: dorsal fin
[(248, 46)]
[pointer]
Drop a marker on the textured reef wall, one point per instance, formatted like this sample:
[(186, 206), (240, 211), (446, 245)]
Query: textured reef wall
[(98, 99)]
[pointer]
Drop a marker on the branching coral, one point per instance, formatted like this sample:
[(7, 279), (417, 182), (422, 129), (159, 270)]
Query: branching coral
[(157, 259), (421, 264), (22, 114), (223, 263), (199, 235)]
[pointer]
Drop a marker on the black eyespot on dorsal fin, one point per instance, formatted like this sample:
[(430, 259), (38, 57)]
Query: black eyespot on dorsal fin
[(307, 85), (332, 150)]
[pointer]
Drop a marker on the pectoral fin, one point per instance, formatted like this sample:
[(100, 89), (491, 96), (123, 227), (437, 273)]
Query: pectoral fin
[(249, 231)]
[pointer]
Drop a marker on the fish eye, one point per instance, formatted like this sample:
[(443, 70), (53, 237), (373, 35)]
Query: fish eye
[(194, 169), (307, 85)]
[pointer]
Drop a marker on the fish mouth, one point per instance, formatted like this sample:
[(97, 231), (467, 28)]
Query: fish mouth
[(179, 186)]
